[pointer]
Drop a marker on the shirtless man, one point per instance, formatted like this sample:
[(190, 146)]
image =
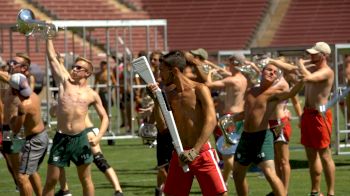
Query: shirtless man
[(194, 115), (256, 143), (102, 78), (280, 119), (37, 140), (70, 142), (99, 160), (234, 86), (316, 136), (13, 144)]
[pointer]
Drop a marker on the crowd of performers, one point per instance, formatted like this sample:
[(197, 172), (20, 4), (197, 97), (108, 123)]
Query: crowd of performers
[(244, 105)]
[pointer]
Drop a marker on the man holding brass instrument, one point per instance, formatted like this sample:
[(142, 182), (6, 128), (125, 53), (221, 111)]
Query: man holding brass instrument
[(256, 143), (316, 136), (12, 144), (71, 142), (235, 87)]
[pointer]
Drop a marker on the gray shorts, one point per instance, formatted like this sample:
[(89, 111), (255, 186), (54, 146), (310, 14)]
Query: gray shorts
[(33, 152)]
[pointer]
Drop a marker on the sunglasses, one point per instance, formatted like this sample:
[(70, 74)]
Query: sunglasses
[(13, 63), (79, 68)]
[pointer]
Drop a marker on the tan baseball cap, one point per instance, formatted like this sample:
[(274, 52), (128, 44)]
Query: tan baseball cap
[(200, 52), (320, 47)]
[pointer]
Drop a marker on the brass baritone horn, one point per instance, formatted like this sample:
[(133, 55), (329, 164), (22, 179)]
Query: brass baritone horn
[(28, 25), (228, 142)]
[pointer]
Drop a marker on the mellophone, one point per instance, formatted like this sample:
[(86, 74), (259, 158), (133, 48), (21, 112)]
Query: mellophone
[(231, 133), (142, 67)]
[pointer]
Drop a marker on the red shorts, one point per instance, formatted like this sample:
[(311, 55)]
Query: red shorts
[(286, 130), (217, 132), (204, 168), (316, 130)]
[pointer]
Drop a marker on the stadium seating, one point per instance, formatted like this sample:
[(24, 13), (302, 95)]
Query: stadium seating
[(213, 25), (307, 22)]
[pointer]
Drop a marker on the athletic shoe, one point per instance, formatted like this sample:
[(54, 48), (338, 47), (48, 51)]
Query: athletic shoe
[(158, 192), (117, 193), (63, 193)]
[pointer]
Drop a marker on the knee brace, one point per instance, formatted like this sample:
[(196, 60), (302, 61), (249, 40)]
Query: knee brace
[(101, 162)]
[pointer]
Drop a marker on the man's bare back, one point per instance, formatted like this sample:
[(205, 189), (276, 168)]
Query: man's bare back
[(234, 99)]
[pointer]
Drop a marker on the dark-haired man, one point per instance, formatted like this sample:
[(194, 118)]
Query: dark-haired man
[(70, 142), (102, 78), (194, 115), (235, 87)]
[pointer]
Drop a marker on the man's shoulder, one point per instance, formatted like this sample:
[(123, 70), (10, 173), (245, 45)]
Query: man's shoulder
[(200, 86), (90, 91)]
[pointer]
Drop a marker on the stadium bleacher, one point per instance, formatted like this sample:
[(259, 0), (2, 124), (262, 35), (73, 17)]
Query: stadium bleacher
[(210, 24), (307, 22), (213, 25)]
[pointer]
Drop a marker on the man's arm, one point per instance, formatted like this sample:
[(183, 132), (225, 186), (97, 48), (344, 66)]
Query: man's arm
[(158, 117), (317, 76), (282, 65), (286, 95), (59, 72), (96, 82), (4, 76), (296, 105), (102, 115), (209, 122), (219, 84), (17, 121), (219, 69)]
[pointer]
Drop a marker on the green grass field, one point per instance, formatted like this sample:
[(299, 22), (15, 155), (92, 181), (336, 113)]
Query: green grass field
[(135, 166)]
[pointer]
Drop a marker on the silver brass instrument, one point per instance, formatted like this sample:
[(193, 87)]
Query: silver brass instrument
[(148, 131), (277, 130), (228, 142), (250, 73), (215, 76), (28, 25)]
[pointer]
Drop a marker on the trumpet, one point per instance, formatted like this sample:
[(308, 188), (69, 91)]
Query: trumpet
[(28, 25), (228, 142)]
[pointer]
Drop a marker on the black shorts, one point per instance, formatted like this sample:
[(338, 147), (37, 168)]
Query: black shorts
[(255, 147), (164, 148), (11, 144)]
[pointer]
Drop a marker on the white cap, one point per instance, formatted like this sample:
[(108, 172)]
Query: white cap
[(19, 82), (320, 47)]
